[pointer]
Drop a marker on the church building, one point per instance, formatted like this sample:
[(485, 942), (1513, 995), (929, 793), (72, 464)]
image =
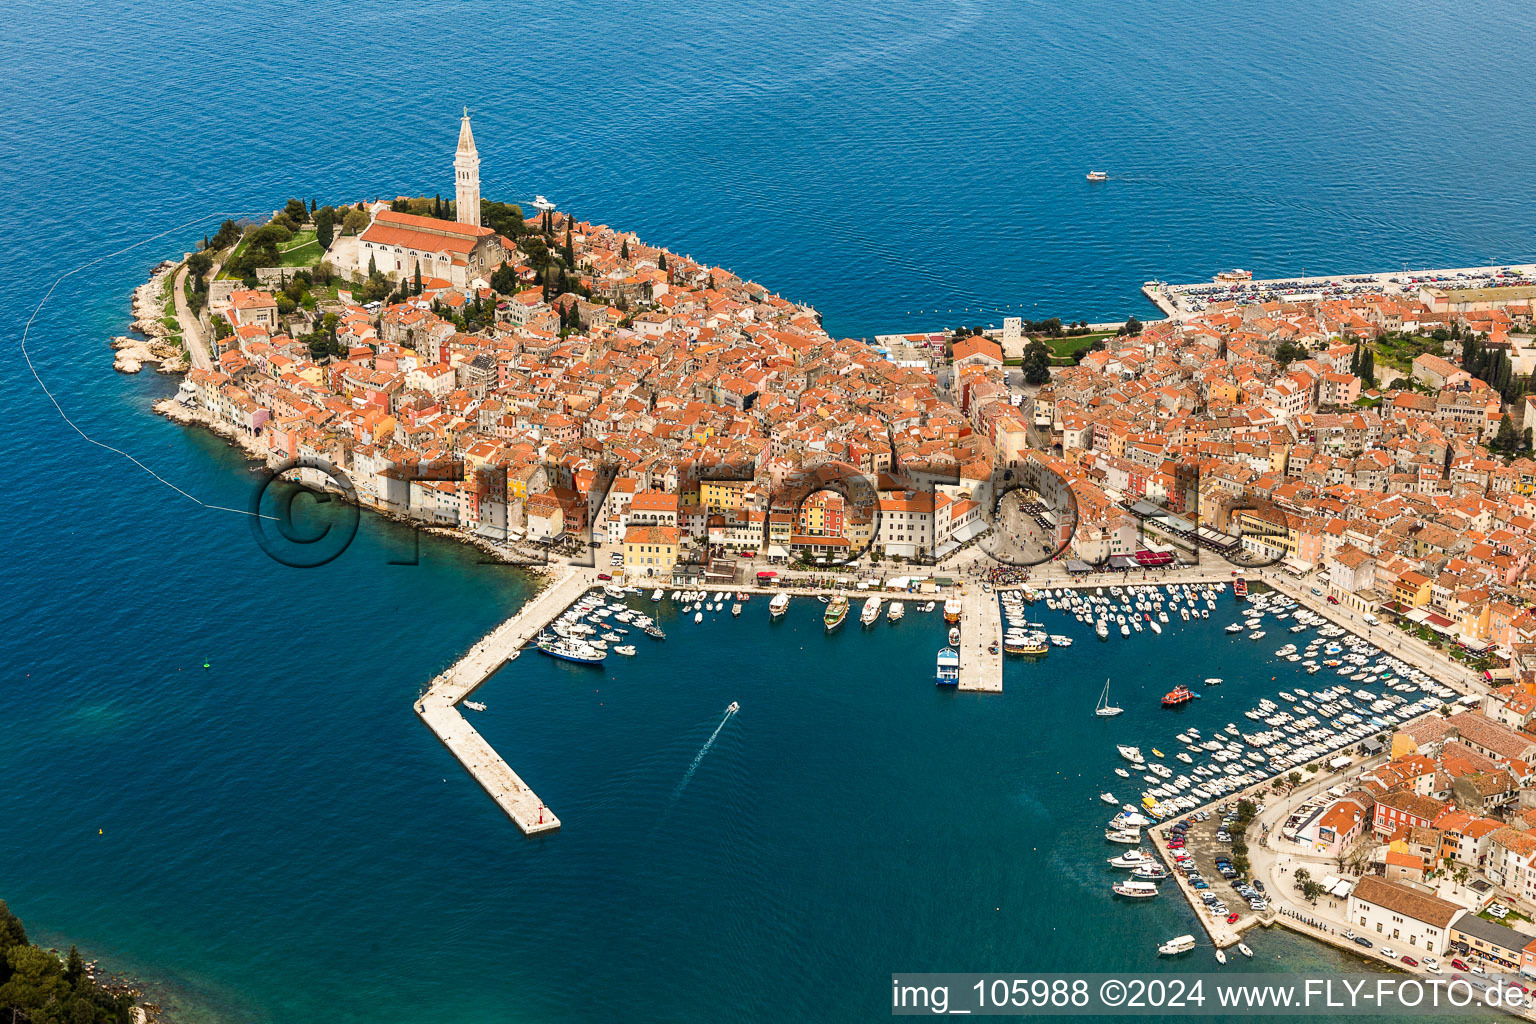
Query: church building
[(460, 251)]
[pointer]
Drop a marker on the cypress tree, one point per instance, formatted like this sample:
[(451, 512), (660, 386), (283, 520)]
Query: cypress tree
[(418, 279), (1506, 439), (624, 249)]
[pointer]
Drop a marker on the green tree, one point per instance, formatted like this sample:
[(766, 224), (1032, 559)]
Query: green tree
[(325, 226), (373, 267), (624, 249), (1131, 327), (1526, 439), (1311, 890), (416, 283), (198, 265), (296, 211), (503, 280), (503, 218), (661, 262), (1036, 362), (1506, 439), (354, 222), (1368, 367), (227, 235)]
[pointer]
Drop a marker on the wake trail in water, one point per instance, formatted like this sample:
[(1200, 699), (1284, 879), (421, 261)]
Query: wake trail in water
[(688, 775)]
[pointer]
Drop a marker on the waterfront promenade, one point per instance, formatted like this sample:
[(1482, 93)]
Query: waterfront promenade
[(438, 706)]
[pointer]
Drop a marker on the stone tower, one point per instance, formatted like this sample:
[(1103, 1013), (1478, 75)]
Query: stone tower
[(466, 176)]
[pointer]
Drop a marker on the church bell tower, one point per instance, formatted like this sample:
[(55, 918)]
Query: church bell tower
[(466, 176)]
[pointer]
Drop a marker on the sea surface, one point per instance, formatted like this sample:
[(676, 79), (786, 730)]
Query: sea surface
[(215, 778)]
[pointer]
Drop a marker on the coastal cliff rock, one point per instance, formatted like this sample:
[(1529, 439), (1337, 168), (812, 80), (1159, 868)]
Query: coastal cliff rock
[(148, 320), (133, 353)]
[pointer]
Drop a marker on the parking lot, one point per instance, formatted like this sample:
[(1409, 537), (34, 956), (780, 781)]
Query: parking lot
[(1195, 845)]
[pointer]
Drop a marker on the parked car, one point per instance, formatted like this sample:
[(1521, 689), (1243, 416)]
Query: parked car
[(1410, 961), (1387, 952), (1361, 940), (1431, 965), (604, 576), (1332, 599), (1458, 964)]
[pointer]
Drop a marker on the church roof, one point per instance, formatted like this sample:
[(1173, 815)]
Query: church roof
[(425, 234)]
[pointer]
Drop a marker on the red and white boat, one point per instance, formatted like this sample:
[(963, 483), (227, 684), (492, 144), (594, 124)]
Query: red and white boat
[(1177, 696)]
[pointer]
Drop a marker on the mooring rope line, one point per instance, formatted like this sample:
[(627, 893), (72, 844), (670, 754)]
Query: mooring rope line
[(27, 330)]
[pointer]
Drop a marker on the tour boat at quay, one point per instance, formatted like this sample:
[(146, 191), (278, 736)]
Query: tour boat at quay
[(948, 670), (572, 650), (778, 606), (952, 610), (837, 611), (1135, 890), (870, 612)]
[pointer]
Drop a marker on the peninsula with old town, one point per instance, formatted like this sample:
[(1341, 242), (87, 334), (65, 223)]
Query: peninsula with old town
[(1345, 460)]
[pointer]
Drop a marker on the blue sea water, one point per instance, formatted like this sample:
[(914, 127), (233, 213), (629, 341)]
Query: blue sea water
[(276, 838)]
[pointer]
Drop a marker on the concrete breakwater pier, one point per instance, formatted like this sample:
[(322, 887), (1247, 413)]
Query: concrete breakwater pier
[(438, 706)]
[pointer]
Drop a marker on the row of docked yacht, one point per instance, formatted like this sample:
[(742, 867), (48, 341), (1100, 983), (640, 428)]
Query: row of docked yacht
[(1134, 607), (1145, 871), (1021, 636), (584, 632), (1320, 723), (1311, 725)]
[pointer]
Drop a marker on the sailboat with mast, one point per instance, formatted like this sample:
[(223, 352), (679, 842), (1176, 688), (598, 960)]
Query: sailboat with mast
[(1105, 709)]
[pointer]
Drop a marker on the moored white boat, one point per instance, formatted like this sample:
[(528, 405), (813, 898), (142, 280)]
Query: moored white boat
[(870, 611), (1177, 945)]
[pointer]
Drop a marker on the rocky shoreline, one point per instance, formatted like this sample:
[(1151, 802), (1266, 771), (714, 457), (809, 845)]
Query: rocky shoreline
[(154, 346)]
